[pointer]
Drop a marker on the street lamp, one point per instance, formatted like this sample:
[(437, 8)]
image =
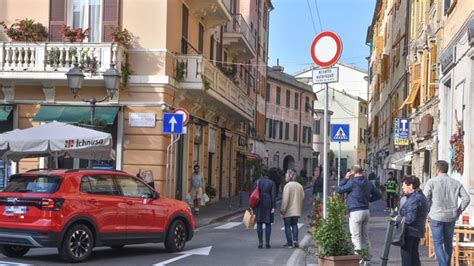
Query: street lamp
[(75, 77)]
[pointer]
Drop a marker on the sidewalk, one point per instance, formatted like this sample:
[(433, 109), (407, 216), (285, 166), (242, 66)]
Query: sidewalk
[(377, 230)]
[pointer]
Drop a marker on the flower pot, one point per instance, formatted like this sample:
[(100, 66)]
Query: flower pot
[(351, 260)]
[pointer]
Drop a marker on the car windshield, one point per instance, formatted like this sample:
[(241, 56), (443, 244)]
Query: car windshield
[(33, 184)]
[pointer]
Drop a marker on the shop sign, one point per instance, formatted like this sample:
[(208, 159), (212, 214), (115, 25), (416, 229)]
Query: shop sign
[(142, 120), (401, 131), (447, 59)]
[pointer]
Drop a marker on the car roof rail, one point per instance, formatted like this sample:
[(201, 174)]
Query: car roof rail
[(93, 169), (39, 169)]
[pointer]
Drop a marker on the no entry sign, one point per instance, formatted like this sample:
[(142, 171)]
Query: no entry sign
[(326, 49)]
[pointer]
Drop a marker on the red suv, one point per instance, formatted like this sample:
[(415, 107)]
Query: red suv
[(77, 210)]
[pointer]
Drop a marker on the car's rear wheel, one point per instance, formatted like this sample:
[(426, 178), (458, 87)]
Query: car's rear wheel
[(176, 236), (13, 251), (77, 244)]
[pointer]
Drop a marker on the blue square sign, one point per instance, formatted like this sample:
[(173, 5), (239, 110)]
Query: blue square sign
[(340, 132), (173, 123)]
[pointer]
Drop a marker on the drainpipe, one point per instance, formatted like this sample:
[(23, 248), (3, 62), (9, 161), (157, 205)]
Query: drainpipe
[(221, 162), (299, 126)]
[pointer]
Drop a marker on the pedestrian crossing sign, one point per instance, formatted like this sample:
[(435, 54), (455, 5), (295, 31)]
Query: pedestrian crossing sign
[(340, 132)]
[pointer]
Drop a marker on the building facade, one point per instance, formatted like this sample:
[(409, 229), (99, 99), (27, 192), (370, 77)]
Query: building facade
[(197, 55), (456, 91), (289, 122)]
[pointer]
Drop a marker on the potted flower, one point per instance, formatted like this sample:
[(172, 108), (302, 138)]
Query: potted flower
[(25, 30), (74, 34), (211, 192), (316, 213), (122, 36), (333, 241)]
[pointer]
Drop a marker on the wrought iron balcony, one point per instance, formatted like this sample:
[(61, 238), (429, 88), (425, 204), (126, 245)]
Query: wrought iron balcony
[(239, 38)]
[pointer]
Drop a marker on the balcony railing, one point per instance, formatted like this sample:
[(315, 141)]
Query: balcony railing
[(239, 25), (58, 57), (239, 37), (215, 12), (200, 74)]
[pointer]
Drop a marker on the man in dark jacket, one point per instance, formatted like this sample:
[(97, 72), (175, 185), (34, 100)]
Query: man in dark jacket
[(360, 192), (318, 185), (414, 210)]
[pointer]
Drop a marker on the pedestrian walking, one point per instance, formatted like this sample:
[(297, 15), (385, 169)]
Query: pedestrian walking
[(291, 205), (197, 188), (360, 192), (266, 209), (318, 185), (391, 184), (414, 210), (443, 193)]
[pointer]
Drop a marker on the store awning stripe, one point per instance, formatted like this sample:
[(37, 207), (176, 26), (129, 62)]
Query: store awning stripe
[(410, 100), (5, 111), (74, 114)]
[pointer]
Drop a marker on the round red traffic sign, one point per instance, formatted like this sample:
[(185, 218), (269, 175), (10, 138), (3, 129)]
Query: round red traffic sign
[(185, 114), (326, 49)]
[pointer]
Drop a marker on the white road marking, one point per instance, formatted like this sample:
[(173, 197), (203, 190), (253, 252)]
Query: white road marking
[(8, 263), (197, 251), (228, 225), (299, 226), (263, 226)]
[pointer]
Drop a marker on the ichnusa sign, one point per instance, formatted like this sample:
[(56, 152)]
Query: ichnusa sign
[(401, 132)]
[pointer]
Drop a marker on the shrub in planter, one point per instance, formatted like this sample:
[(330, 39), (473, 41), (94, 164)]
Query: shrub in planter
[(331, 237), (25, 30), (74, 34), (122, 36)]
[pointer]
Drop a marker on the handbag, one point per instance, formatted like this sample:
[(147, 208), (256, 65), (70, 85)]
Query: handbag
[(249, 219), (254, 199), (204, 199), (398, 236)]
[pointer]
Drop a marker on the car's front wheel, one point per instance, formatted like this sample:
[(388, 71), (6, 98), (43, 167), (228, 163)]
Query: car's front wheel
[(176, 236), (77, 244), (13, 251)]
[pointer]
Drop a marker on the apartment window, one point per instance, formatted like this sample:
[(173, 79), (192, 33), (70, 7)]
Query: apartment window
[(306, 104), (310, 135), (288, 99), (281, 129), (361, 136), (278, 95), (211, 55), (201, 38), (268, 128), (295, 133), (86, 14), (274, 129), (184, 30), (287, 131), (317, 127), (297, 101), (267, 93)]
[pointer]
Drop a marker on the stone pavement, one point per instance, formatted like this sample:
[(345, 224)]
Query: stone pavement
[(377, 229)]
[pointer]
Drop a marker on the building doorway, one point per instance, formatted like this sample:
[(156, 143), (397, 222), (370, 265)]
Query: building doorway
[(288, 163)]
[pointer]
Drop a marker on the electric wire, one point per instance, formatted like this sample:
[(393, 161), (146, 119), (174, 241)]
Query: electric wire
[(317, 13), (311, 15)]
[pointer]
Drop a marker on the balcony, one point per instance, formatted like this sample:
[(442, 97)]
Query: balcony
[(239, 38), (47, 62), (204, 81), (214, 12)]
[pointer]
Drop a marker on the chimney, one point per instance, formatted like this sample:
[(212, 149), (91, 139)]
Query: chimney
[(278, 68)]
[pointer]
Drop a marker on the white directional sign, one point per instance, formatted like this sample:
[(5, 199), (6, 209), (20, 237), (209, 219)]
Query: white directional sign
[(197, 251), (325, 75), (173, 123)]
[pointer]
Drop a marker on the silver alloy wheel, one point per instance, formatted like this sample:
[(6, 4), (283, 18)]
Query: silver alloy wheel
[(17, 248), (179, 236), (79, 243)]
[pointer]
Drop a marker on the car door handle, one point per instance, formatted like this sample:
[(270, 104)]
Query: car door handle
[(129, 202), (93, 201)]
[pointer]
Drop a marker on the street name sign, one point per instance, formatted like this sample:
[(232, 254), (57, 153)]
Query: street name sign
[(173, 123), (340, 132), (326, 49), (325, 75), (401, 132), (142, 119)]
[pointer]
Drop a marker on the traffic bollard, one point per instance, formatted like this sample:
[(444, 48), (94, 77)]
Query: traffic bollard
[(388, 242)]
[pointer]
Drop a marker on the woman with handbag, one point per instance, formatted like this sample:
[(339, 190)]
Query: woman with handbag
[(265, 209), (413, 214)]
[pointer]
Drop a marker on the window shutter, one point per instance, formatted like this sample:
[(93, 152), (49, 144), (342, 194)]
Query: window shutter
[(433, 75), (110, 18), (57, 17)]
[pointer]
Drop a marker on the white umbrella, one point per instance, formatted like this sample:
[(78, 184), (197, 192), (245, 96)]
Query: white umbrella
[(56, 139)]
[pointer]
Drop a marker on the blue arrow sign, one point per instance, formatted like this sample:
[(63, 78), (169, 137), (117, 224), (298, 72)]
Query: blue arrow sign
[(340, 132), (173, 123)]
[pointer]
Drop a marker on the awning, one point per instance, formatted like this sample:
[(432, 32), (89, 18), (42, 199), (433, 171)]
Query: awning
[(5, 111), (74, 114), (253, 156), (410, 100), (397, 160)]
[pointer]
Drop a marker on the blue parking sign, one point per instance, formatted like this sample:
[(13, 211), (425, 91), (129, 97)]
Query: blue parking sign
[(340, 132), (173, 123)]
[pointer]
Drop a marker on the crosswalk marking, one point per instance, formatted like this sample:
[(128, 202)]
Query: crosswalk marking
[(228, 225), (299, 226)]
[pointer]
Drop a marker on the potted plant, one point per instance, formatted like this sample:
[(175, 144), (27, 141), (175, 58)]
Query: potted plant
[(122, 36), (333, 241), (25, 30), (74, 34), (211, 192)]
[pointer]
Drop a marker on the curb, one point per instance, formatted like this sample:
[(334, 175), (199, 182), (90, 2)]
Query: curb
[(225, 216), (298, 257)]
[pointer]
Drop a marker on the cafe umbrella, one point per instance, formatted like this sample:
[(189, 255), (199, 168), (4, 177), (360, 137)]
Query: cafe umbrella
[(56, 139)]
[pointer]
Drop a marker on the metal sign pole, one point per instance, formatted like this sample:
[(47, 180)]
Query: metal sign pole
[(325, 150), (173, 180), (339, 165)]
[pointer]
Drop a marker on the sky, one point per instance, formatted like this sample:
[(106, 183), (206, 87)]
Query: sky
[(292, 30)]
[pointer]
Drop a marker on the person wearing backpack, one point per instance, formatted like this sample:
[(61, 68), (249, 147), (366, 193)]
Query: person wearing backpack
[(391, 186), (265, 209)]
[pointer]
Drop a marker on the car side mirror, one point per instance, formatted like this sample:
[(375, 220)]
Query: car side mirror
[(155, 195)]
